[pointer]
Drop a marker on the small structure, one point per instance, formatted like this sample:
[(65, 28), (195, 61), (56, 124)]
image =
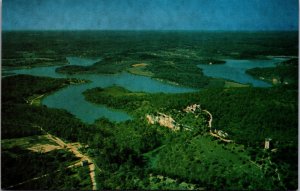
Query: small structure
[(267, 143), (222, 134), (192, 108)]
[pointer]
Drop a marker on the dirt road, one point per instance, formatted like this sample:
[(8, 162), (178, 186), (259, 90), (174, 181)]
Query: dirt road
[(74, 148), (210, 118)]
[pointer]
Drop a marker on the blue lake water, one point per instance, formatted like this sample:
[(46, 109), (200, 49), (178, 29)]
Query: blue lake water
[(236, 70), (72, 99)]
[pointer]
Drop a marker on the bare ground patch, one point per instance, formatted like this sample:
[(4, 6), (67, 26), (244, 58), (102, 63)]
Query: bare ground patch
[(44, 148), (139, 65)]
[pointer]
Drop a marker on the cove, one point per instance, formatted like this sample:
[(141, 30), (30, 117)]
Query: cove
[(236, 70), (72, 99)]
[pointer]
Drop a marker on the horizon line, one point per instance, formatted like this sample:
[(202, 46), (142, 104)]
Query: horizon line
[(144, 30)]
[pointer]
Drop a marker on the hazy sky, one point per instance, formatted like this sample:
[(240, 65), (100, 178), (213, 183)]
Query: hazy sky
[(150, 14)]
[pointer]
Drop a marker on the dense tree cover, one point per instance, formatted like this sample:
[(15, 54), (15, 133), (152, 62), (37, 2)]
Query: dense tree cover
[(197, 160), (59, 44), (117, 97), (19, 165), (56, 121), (31, 61), (205, 162), (248, 115), (14, 127), (124, 152), (185, 74), (106, 66), (17, 89), (253, 114)]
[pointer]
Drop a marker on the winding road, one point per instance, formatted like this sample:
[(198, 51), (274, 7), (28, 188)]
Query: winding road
[(210, 125)]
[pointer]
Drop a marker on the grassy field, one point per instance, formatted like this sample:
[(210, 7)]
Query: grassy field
[(30, 143), (140, 69), (229, 84)]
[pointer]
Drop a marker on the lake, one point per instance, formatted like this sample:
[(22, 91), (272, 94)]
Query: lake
[(72, 99), (236, 70)]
